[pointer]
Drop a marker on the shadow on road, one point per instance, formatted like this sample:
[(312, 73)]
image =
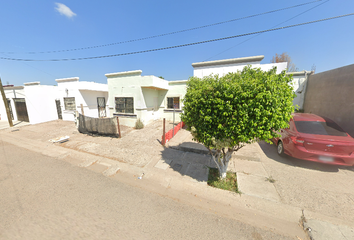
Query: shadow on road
[(270, 151)]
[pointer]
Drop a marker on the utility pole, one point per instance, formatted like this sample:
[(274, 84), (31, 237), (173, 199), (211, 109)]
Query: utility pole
[(6, 105)]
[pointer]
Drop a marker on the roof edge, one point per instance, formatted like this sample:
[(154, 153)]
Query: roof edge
[(14, 87), (177, 81), (127, 73), (72, 79), (299, 73), (32, 83), (229, 61)]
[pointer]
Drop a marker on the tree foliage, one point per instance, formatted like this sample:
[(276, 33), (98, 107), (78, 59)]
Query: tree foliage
[(225, 113), (284, 57)]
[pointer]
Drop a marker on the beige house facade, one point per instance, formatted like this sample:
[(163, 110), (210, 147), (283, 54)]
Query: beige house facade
[(133, 96)]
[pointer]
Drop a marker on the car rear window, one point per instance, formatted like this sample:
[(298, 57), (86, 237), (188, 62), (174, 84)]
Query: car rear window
[(320, 128)]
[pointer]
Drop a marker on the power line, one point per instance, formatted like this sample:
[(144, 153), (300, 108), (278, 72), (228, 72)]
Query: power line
[(34, 67), (170, 33), (272, 27), (182, 45)]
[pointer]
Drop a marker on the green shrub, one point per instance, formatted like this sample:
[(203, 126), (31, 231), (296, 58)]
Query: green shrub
[(139, 124)]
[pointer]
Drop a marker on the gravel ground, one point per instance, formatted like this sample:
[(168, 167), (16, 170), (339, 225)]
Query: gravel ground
[(136, 147)]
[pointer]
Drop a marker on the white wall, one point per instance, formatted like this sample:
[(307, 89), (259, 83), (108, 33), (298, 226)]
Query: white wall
[(222, 70), (85, 93), (40, 102), (176, 89), (299, 84), (147, 92), (88, 99)]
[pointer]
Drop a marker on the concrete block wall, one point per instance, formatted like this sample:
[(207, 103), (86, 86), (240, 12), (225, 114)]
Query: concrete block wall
[(330, 94)]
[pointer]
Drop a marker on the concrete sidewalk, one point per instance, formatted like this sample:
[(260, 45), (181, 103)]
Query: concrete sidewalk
[(183, 167), (254, 180)]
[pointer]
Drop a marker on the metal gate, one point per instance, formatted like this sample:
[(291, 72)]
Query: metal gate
[(57, 102), (101, 105), (10, 108), (21, 109)]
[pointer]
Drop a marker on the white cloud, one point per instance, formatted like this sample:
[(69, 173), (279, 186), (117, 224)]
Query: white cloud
[(64, 10)]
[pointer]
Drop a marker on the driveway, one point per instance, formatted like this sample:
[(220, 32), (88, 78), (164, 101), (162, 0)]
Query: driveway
[(136, 147), (316, 187)]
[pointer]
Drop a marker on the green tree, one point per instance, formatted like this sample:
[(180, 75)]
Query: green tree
[(225, 113)]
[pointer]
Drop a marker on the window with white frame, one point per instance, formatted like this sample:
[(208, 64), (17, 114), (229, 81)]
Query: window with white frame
[(69, 103), (173, 102), (124, 104)]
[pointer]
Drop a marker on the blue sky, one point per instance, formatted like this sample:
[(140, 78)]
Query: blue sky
[(41, 25)]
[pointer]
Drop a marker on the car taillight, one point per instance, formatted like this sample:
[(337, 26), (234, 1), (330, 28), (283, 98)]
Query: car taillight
[(298, 141)]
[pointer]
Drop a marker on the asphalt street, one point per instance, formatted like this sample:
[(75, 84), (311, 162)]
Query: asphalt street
[(46, 198)]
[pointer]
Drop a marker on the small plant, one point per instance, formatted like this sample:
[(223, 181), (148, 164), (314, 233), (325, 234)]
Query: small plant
[(139, 124), (270, 179), (229, 183)]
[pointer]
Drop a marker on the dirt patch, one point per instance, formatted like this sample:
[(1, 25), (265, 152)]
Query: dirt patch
[(136, 147)]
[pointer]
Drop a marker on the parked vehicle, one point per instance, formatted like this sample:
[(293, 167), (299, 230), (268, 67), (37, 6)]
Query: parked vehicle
[(314, 138)]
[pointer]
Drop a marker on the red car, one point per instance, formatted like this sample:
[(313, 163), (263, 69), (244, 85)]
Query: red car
[(314, 138)]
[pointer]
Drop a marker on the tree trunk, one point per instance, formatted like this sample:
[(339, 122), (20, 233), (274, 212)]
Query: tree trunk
[(223, 171), (222, 161)]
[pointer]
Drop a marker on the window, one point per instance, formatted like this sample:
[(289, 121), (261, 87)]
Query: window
[(69, 103), (321, 128), (124, 105), (173, 102)]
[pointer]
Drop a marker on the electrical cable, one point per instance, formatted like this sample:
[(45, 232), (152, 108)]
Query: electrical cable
[(166, 34), (35, 68), (182, 45), (261, 33)]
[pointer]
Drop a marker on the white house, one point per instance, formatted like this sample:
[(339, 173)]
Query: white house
[(222, 67), (87, 97), (35, 103), (133, 96), (128, 95)]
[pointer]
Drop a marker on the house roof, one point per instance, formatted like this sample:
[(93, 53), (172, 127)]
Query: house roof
[(229, 61), (127, 73)]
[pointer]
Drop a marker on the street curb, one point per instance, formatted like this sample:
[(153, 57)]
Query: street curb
[(164, 182)]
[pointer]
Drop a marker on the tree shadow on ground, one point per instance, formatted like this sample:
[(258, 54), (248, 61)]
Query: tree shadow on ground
[(270, 150), (183, 163)]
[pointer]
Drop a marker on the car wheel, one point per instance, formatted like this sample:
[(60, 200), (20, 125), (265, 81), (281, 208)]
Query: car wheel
[(280, 148)]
